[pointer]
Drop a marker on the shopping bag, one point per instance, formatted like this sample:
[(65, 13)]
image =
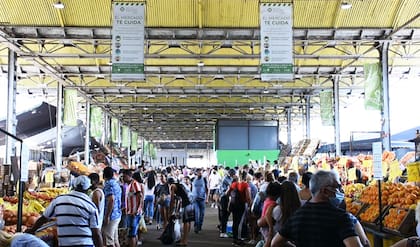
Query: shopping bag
[(167, 236), (142, 225), (177, 230)]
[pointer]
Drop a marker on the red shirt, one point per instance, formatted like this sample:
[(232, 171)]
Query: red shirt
[(132, 201), (242, 188)]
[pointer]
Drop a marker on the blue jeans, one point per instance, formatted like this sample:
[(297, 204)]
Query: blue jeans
[(148, 206), (133, 225), (199, 207)]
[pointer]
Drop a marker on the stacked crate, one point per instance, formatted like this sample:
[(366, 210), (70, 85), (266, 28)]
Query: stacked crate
[(4, 178)]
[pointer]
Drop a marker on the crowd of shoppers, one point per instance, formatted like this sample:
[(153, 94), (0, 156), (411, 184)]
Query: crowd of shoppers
[(266, 208)]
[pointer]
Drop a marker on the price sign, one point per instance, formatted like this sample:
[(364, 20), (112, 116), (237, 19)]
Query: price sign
[(351, 174), (394, 170), (342, 161), (49, 177), (377, 160), (413, 172)]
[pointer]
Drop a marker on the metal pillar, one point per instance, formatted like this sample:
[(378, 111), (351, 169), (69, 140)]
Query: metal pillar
[(11, 106), (119, 134), (337, 116), (386, 129), (289, 126), (308, 117), (129, 146), (58, 143), (87, 134), (106, 129)]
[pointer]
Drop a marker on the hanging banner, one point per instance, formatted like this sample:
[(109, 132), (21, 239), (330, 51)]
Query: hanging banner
[(326, 105), (96, 122), (70, 107), (134, 141), (276, 44), (128, 41), (373, 86), (125, 142), (114, 130)]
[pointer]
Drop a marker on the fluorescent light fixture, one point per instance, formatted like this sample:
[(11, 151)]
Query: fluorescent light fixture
[(219, 77), (251, 108), (346, 5), (179, 77), (58, 5), (200, 64), (266, 91)]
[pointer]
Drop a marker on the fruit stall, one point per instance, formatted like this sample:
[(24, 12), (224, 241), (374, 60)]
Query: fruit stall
[(34, 204), (394, 219)]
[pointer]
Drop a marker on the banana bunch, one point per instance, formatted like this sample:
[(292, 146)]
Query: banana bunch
[(54, 192), (5, 238), (9, 206), (33, 207)]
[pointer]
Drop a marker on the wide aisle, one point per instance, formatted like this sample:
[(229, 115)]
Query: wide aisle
[(209, 236)]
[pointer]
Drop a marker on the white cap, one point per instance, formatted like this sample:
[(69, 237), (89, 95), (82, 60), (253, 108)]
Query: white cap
[(81, 182)]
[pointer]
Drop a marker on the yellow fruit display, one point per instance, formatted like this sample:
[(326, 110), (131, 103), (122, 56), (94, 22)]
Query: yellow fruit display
[(353, 191)]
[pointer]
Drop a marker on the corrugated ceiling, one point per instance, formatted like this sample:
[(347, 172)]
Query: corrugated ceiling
[(327, 38), (213, 13)]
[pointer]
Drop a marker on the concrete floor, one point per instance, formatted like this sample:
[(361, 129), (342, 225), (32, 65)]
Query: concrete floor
[(209, 236)]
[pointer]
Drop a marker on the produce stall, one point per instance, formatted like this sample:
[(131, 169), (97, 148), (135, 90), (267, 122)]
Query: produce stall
[(398, 204)]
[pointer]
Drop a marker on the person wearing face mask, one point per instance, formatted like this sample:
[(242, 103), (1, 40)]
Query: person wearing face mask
[(339, 202), (319, 220), (415, 240)]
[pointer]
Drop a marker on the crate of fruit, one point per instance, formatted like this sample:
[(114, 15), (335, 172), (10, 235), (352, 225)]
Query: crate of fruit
[(400, 221), (356, 207), (370, 213)]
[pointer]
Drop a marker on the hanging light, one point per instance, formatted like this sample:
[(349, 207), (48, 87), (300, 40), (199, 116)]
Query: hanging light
[(58, 5), (346, 5)]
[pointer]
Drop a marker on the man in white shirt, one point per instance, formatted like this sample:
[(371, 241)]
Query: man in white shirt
[(214, 185)]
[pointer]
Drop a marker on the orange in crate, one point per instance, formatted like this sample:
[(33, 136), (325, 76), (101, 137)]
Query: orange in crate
[(370, 214), (394, 218)]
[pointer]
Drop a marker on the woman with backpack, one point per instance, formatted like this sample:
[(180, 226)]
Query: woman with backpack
[(240, 200)]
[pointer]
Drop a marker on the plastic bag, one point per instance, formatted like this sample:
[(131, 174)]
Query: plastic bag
[(142, 225), (177, 230), (167, 236)]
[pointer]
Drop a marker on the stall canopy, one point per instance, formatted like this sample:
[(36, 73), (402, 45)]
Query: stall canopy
[(34, 121), (399, 140), (37, 127)]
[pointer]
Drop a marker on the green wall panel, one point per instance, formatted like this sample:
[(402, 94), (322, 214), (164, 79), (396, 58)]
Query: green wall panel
[(232, 158)]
